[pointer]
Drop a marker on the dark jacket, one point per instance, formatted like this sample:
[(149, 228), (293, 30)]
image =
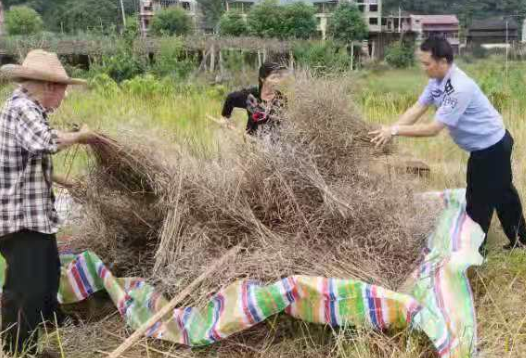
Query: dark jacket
[(260, 113)]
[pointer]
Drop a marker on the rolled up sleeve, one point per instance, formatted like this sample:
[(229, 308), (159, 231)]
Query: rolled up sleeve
[(34, 133), (426, 98)]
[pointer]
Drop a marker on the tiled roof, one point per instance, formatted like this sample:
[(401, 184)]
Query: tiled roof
[(493, 24), (437, 19)]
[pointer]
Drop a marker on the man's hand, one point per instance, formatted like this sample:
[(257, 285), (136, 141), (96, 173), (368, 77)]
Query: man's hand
[(85, 135), (382, 136), (228, 123), (66, 182), (82, 136)]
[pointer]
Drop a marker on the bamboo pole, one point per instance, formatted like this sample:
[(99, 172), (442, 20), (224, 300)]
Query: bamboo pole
[(171, 305)]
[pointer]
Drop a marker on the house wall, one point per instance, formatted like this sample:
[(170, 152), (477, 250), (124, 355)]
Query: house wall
[(372, 13), (148, 8), (371, 9), (497, 36)]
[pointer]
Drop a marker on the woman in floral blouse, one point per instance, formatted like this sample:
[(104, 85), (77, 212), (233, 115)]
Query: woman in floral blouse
[(262, 103)]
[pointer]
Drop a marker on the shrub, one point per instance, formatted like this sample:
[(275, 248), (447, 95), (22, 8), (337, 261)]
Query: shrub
[(299, 21), (23, 20), (172, 21), (347, 24), (400, 55), (233, 24), (172, 61), (322, 56), (104, 84), (147, 86), (266, 19)]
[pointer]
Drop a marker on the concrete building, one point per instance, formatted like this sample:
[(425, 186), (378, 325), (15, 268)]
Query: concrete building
[(148, 8), (397, 23), (371, 9), (446, 26), (423, 26), (496, 31)]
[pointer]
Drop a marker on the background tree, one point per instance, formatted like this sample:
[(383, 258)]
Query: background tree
[(212, 11), (78, 15), (266, 19), (299, 21), (132, 30), (232, 23), (347, 24), (23, 20), (400, 54), (172, 21), (87, 15)]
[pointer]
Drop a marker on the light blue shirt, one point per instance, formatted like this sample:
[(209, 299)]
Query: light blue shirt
[(472, 121)]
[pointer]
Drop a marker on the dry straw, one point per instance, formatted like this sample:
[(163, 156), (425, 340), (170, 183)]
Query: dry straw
[(305, 204)]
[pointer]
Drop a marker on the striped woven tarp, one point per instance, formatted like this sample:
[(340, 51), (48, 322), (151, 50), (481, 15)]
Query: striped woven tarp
[(437, 299)]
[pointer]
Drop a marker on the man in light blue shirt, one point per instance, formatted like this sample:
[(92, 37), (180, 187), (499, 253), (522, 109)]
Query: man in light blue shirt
[(475, 126)]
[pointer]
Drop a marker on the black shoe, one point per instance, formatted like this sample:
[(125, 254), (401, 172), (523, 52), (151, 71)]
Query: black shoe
[(511, 246), (483, 250)]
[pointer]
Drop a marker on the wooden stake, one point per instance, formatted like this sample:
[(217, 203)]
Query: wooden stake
[(171, 305), (221, 68), (213, 59)]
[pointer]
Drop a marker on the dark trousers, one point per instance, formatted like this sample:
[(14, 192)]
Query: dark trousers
[(490, 187), (30, 289)]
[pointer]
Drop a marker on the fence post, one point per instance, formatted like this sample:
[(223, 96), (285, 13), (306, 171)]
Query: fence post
[(352, 56), (221, 68), (213, 59)]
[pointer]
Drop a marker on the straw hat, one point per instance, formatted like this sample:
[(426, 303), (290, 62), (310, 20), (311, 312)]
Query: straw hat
[(40, 65)]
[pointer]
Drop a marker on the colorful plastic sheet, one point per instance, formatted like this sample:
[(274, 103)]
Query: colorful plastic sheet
[(437, 298)]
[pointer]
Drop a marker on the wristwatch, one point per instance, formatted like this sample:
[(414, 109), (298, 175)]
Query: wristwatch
[(394, 131)]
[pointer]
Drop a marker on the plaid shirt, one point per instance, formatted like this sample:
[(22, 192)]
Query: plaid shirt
[(26, 144)]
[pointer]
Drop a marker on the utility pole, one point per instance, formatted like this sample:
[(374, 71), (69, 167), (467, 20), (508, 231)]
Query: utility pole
[(399, 20), (123, 13), (507, 17), (507, 45)]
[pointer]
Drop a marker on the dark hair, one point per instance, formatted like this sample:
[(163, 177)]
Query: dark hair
[(267, 69), (439, 47)]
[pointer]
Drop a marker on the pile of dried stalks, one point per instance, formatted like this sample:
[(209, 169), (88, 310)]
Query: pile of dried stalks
[(306, 205)]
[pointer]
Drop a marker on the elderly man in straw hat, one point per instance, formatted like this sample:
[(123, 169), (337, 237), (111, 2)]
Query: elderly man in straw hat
[(28, 219)]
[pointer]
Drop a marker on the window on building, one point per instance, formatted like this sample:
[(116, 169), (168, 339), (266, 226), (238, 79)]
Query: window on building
[(330, 7), (373, 21), (167, 3), (236, 6), (361, 8), (186, 6), (373, 8), (384, 21)]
